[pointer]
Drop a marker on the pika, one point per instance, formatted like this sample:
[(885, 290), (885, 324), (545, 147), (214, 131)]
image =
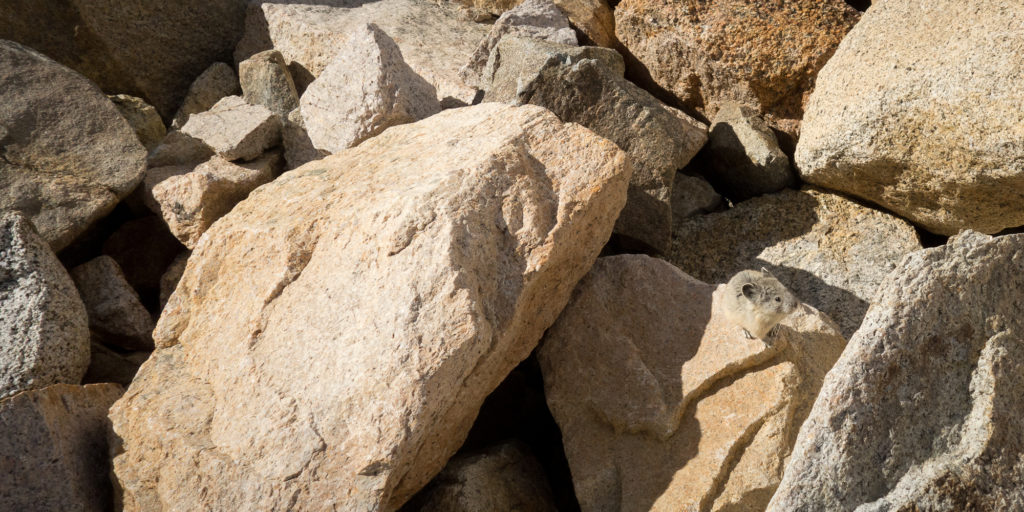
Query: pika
[(757, 302)]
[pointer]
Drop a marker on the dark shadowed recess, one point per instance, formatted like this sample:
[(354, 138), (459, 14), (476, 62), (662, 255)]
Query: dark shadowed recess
[(860, 5)]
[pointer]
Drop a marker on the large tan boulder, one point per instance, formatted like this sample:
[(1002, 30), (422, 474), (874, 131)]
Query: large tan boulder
[(920, 111), (761, 54), (923, 411), (148, 49), (592, 18), (68, 155), (434, 39), (53, 444), (666, 406), (333, 337), (830, 251)]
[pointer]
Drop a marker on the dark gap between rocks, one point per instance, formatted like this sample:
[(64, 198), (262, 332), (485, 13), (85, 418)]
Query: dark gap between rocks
[(860, 5)]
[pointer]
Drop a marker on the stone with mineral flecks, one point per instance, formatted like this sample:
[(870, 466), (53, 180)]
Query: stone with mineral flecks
[(266, 81), (234, 129), (142, 117), (116, 314), (746, 160), (298, 149), (216, 82)]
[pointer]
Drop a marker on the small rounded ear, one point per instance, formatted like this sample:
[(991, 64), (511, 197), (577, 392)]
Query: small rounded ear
[(765, 271), (750, 291)]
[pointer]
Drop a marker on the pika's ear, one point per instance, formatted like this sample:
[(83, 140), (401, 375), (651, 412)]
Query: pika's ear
[(765, 270), (750, 291)]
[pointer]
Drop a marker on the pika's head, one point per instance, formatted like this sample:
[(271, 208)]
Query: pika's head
[(769, 295)]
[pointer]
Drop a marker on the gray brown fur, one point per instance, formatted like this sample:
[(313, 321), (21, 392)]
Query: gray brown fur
[(757, 302)]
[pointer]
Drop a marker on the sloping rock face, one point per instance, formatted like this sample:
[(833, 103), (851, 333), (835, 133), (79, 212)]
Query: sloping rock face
[(67, 156), (101, 40), (907, 115), (53, 442), (745, 154), (923, 411), (666, 406), (142, 117), (434, 40), (333, 337), (219, 80), (44, 329), (266, 81), (761, 54), (831, 252), (116, 314), (592, 18), (234, 129), (517, 60)]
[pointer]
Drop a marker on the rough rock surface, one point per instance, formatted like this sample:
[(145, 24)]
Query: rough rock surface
[(434, 40), (831, 252), (533, 19), (367, 88), (298, 149), (169, 281), (53, 442), (517, 60), (191, 202), (592, 18), (116, 314), (503, 477), (692, 195), (266, 81), (664, 405), (745, 155), (658, 139), (148, 49), (142, 117), (67, 156), (761, 54), (109, 365), (909, 115), (44, 329), (143, 248), (923, 410), (234, 129), (285, 383), (218, 81)]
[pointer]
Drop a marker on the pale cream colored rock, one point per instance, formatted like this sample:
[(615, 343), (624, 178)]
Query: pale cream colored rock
[(592, 18), (266, 81), (367, 88), (234, 129), (746, 160), (830, 251), (666, 406), (924, 411), (67, 155), (298, 149), (44, 329), (216, 82), (53, 442), (191, 202), (920, 111), (333, 336), (142, 117), (434, 39), (115, 313), (178, 149)]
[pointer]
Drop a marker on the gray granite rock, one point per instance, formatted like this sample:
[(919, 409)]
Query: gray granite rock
[(116, 315), (178, 149), (169, 280), (110, 365), (924, 410), (216, 82), (692, 195), (745, 155), (266, 81), (142, 117), (44, 330), (234, 129)]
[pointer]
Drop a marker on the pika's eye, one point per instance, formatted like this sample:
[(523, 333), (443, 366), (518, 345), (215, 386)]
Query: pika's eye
[(777, 299)]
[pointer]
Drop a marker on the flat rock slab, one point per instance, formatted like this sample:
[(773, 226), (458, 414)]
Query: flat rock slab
[(234, 129), (923, 411), (333, 337), (666, 406), (67, 156), (44, 329), (219, 80), (920, 111), (434, 39), (53, 442), (830, 251)]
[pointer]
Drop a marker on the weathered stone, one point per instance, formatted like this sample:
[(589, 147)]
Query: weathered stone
[(533, 19), (234, 129), (503, 477), (143, 248), (178, 149), (53, 442), (266, 81), (142, 117), (664, 405), (169, 281), (761, 54), (298, 149), (115, 313), (517, 60), (44, 330), (217, 82), (898, 121), (191, 202), (658, 139), (923, 411), (154, 176), (67, 156), (434, 40), (364, 90), (108, 365), (831, 252), (745, 155), (287, 384), (592, 18), (152, 50), (692, 195)]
